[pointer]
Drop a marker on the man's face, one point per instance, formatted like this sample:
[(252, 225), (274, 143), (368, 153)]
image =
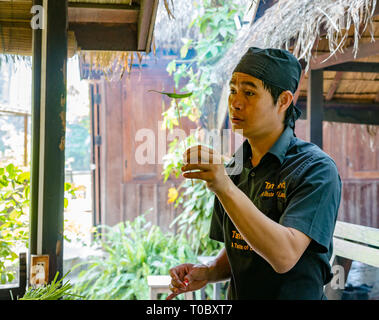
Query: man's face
[(251, 107)]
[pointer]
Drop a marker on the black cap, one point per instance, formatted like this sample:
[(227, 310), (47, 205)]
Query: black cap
[(276, 67)]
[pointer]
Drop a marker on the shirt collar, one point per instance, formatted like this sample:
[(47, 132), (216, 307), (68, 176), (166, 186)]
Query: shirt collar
[(279, 149)]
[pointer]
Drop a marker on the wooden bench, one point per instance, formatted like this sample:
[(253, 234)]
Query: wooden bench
[(350, 241), (160, 284), (355, 243)]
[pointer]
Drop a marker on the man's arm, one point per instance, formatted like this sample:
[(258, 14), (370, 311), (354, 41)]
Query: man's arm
[(219, 268), (280, 246)]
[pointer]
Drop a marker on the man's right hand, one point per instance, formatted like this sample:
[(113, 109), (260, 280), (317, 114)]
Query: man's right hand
[(187, 277)]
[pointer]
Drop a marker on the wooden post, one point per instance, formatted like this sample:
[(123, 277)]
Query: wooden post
[(35, 127), (25, 140), (48, 235), (315, 108)]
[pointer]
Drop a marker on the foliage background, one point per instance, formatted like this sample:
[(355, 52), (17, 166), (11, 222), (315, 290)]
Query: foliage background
[(130, 251), (217, 32), (14, 216)]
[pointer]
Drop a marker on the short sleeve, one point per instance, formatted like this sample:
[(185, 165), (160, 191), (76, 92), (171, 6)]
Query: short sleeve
[(216, 228), (312, 204)]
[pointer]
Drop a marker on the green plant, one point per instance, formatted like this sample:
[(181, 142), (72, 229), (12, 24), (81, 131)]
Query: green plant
[(14, 216), (217, 33), (14, 205), (53, 291), (197, 201), (132, 251)]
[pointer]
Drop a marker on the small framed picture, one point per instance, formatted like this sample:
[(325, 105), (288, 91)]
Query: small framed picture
[(39, 270)]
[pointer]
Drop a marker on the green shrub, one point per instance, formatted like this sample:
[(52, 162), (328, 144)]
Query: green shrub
[(14, 205), (14, 216), (132, 251), (215, 22)]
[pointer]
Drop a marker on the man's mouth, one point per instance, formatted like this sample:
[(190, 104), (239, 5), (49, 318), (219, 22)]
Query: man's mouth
[(236, 120)]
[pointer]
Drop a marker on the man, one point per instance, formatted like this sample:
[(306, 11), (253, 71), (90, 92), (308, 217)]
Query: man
[(276, 217)]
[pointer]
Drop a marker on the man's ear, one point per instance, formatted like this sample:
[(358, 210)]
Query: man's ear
[(284, 100)]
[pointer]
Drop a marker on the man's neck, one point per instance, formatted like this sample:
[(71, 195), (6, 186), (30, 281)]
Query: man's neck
[(261, 145)]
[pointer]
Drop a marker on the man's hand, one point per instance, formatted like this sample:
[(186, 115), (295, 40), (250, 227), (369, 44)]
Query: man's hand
[(187, 277), (210, 168)]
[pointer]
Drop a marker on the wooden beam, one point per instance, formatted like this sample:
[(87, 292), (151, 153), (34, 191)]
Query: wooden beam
[(26, 140), (35, 128), (333, 87), (352, 115), (365, 50), (105, 6), (376, 11), (355, 67), (52, 135), (110, 37), (315, 106), (296, 95), (102, 15), (146, 23), (377, 98), (346, 112)]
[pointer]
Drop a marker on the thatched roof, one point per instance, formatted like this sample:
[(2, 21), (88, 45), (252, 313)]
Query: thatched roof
[(170, 29), (296, 25)]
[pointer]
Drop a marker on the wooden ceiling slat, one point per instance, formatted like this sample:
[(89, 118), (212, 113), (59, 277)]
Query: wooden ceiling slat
[(83, 15), (145, 23), (16, 11), (112, 37)]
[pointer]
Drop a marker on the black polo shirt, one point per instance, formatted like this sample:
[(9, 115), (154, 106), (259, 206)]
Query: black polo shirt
[(297, 185)]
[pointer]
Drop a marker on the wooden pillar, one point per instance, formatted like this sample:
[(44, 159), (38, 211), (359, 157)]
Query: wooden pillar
[(25, 140), (35, 128), (315, 109), (47, 237)]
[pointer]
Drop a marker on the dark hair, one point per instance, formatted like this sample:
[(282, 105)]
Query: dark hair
[(275, 93)]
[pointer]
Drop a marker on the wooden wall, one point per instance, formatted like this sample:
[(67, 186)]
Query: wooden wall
[(128, 188), (355, 149)]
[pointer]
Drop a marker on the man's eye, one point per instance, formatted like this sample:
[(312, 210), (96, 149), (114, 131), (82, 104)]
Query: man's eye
[(232, 91), (249, 93)]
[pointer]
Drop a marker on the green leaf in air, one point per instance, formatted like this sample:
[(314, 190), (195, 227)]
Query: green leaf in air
[(175, 95)]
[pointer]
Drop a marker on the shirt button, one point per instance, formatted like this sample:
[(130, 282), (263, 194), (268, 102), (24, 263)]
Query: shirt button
[(252, 174)]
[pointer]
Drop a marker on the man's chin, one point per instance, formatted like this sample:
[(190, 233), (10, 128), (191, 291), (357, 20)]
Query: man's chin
[(237, 129)]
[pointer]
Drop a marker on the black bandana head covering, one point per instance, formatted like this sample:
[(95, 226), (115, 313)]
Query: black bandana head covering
[(276, 67)]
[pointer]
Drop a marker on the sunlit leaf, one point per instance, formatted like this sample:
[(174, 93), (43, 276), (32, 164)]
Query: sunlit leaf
[(174, 95)]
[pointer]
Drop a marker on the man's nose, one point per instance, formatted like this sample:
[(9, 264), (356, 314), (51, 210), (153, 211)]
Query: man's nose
[(235, 103)]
